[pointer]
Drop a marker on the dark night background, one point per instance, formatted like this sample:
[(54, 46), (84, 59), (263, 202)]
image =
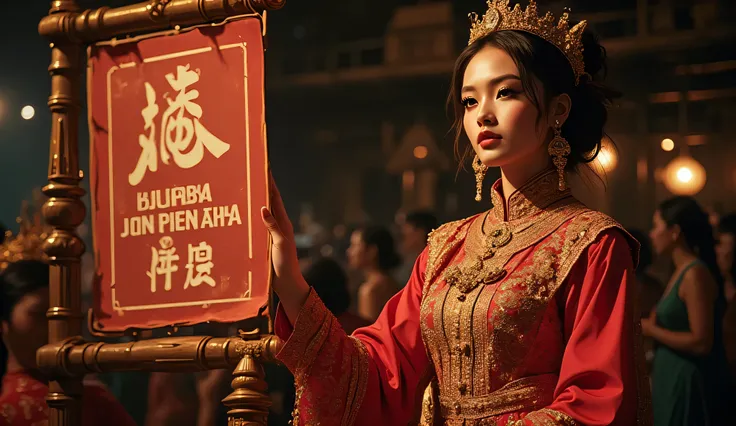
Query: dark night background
[(352, 85)]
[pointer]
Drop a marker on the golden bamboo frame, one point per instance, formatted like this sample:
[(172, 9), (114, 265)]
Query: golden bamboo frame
[(67, 357)]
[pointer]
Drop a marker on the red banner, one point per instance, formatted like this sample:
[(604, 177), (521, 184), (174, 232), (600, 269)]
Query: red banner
[(178, 176)]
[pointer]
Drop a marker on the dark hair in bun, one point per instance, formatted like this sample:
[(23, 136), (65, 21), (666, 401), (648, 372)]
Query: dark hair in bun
[(537, 58)]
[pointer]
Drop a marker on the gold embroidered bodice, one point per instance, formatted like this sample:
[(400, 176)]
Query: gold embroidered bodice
[(490, 314)]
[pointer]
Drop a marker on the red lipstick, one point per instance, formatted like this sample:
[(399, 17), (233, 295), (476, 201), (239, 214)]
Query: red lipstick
[(487, 139)]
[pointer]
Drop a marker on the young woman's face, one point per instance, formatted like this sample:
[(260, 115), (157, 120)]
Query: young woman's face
[(358, 253), (725, 253), (27, 328), (500, 120), (663, 238)]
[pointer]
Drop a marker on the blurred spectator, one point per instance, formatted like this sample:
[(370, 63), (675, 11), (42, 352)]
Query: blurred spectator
[(689, 386), (725, 254), (414, 231), (24, 301), (727, 264), (172, 400), (328, 279), (372, 251)]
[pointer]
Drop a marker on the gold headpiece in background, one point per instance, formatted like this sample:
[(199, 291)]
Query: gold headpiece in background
[(27, 245), (500, 17)]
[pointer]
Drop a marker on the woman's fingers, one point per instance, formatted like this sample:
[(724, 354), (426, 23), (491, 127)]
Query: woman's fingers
[(279, 211), (273, 227)]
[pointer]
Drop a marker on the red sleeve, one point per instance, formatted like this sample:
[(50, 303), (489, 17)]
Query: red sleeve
[(599, 379), (370, 378), (101, 408)]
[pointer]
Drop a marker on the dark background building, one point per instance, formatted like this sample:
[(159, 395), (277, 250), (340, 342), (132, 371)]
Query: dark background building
[(356, 94)]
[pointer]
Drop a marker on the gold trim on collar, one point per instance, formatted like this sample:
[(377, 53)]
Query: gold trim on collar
[(533, 197)]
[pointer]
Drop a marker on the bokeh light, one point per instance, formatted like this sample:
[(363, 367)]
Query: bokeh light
[(684, 176), (668, 145), (420, 152), (27, 112)]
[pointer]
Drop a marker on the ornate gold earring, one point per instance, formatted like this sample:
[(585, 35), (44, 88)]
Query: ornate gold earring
[(480, 170), (559, 149)]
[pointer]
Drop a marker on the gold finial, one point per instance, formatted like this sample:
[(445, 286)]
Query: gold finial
[(29, 241), (500, 17)]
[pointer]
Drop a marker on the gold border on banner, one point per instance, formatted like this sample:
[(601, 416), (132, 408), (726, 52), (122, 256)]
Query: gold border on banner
[(94, 325), (117, 307)]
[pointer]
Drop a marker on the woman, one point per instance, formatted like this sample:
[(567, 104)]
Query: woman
[(686, 324), (329, 281), (372, 252), (24, 300), (415, 229), (725, 254), (521, 315), (727, 265)]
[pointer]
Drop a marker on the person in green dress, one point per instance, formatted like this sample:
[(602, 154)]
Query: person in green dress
[(686, 324), (726, 254)]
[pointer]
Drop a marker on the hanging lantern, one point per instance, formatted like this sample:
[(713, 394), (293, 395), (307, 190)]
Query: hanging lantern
[(684, 176), (607, 158)]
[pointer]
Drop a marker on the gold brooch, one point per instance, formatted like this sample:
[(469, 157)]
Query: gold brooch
[(469, 274)]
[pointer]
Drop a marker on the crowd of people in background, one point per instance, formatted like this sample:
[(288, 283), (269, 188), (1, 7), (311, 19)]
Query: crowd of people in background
[(686, 277)]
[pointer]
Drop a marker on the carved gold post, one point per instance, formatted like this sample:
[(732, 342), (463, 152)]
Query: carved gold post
[(248, 404), (64, 211)]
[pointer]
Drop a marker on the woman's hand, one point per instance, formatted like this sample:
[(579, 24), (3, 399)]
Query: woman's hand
[(288, 281), (647, 324)]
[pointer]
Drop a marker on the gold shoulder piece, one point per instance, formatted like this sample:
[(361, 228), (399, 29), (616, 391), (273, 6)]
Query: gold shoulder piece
[(582, 231)]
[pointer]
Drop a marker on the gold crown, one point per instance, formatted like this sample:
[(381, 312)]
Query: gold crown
[(27, 245), (500, 17)]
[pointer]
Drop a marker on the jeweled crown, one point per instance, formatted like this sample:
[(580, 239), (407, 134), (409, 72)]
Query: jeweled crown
[(28, 243), (500, 17)]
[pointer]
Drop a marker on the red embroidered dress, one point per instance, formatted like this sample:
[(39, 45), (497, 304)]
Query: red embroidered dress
[(523, 315), (23, 403)]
